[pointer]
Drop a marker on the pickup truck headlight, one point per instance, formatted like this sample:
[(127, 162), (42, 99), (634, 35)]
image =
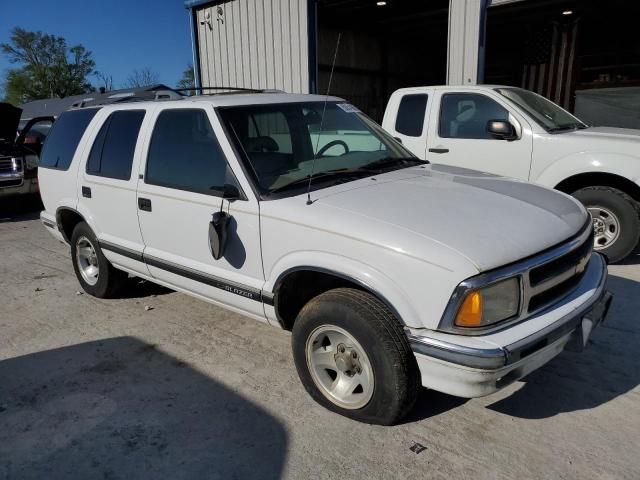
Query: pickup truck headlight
[(488, 305)]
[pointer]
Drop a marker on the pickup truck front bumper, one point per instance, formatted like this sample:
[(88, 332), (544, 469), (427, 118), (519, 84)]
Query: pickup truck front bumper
[(449, 365), (15, 184)]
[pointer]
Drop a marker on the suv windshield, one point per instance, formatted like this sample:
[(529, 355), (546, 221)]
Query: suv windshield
[(281, 140), (547, 114)]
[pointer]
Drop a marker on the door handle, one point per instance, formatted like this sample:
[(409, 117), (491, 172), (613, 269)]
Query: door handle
[(439, 150), (86, 192), (144, 204)]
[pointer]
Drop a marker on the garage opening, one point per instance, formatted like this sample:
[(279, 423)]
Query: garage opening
[(582, 54), (385, 45)]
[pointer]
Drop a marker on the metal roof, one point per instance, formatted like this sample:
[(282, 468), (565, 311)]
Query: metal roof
[(55, 106)]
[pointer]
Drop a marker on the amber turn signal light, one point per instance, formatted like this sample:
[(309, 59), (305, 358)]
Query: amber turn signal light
[(470, 312)]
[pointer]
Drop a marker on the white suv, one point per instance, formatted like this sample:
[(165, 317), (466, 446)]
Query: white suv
[(391, 273)]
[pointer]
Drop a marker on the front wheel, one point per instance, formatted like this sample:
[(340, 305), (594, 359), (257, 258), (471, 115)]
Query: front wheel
[(615, 220), (353, 357)]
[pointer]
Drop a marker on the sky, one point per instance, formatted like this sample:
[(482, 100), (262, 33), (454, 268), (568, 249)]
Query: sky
[(121, 34)]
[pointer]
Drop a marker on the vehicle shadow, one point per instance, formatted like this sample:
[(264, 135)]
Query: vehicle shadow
[(430, 404), (607, 369), (20, 208), (136, 287), (121, 408)]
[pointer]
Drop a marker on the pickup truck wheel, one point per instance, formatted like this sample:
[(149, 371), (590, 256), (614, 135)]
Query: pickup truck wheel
[(95, 273), (615, 220), (353, 357)]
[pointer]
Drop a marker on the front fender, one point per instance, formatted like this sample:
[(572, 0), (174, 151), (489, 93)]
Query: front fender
[(368, 277), (623, 165)]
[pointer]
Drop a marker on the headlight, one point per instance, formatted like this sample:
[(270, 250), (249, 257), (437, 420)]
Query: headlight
[(489, 305)]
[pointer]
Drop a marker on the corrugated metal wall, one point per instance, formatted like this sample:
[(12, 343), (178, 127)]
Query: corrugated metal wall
[(255, 44)]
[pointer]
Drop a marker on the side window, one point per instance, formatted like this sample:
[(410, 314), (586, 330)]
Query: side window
[(465, 115), (112, 152), (184, 153), (411, 113), (269, 130), (62, 141)]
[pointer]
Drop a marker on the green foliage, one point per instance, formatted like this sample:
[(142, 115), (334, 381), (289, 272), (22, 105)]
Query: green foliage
[(47, 67)]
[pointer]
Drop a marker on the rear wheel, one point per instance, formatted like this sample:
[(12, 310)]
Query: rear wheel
[(95, 273), (353, 357), (615, 220)]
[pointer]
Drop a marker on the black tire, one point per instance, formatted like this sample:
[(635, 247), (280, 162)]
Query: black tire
[(109, 278), (624, 208), (373, 325)]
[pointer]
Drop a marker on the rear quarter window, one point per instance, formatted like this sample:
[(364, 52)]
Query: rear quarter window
[(62, 141)]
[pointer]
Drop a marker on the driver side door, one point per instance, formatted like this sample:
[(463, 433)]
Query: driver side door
[(458, 136)]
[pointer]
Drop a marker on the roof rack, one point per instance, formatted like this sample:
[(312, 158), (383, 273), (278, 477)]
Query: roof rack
[(228, 90)]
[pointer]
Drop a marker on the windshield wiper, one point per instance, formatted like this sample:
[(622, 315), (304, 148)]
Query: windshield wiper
[(573, 126), (388, 161), (342, 172)]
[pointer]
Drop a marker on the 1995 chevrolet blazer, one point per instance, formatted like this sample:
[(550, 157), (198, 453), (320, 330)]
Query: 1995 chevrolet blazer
[(390, 272)]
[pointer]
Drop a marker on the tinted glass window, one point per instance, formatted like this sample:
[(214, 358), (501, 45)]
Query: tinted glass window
[(465, 115), (62, 141), (112, 152), (411, 112), (185, 154)]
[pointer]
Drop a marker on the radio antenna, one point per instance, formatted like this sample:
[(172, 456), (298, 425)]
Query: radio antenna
[(324, 109)]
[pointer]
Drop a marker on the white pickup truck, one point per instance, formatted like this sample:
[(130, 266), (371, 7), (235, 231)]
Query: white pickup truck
[(516, 133), (299, 211)]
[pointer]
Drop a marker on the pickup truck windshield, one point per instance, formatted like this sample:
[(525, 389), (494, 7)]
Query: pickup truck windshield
[(280, 141), (547, 114)]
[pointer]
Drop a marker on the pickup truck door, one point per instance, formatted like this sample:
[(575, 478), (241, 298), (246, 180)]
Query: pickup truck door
[(179, 190), (458, 135)]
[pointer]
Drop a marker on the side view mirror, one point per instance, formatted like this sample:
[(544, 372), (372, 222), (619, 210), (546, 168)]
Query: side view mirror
[(397, 139), (230, 192), (218, 233), (501, 130)]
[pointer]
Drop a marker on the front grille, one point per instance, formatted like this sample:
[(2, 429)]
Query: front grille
[(560, 265), (7, 165), (558, 277)]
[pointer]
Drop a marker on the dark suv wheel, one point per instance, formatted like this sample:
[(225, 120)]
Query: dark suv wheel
[(353, 357), (95, 273)]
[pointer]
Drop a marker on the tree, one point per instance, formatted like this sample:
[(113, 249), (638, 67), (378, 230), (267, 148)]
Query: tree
[(47, 67), (141, 78), (106, 81), (187, 80)]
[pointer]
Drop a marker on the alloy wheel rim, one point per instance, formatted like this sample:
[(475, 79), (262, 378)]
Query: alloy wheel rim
[(87, 261), (606, 227), (340, 367)]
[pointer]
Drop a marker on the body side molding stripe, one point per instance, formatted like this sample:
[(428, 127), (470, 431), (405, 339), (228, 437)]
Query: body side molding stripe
[(125, 252)]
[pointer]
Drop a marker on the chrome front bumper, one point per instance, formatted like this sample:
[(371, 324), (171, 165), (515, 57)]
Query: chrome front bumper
[(489, 369)]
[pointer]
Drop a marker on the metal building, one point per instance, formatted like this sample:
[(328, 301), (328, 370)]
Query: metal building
[(554, 47)]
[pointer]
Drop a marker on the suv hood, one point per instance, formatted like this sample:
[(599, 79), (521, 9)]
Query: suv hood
[(9, 120), (490, 220)]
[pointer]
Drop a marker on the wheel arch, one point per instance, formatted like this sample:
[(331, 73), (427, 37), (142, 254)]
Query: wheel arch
[(603, 179), (67, 218), (288, 301)]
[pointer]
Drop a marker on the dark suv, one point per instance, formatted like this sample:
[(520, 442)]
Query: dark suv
[(20, 146)]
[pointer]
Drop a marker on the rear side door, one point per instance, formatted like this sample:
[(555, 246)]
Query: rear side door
[(458, 135), (409, 125), (179, 191), (107, 187)]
